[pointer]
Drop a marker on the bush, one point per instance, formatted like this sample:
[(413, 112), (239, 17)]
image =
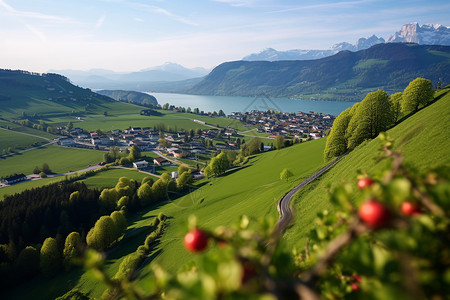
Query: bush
[(42, 175)]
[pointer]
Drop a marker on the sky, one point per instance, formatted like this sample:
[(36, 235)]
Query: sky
[(131, 35)]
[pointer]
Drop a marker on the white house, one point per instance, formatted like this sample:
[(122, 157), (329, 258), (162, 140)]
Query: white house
[(139, 165)]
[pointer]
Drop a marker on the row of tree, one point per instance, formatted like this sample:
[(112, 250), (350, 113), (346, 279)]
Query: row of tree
[(376, 113)]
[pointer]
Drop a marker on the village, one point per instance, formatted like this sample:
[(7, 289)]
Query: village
[(189, 144)]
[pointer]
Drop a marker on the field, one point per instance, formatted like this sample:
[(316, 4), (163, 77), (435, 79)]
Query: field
[(60, 160), (108, 179), (18, 141), (424, 140)]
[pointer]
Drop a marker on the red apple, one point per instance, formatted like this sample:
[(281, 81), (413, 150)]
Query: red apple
[(410, 208), (196, 240), (365, 182), (374, 213)]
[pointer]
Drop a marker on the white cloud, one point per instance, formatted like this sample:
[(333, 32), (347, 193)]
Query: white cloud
[(28, 14), (162, 11), (100, 22)]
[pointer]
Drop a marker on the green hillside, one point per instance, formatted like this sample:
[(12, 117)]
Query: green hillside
[(424, 140), (24, 93), (346, 76), (218, 201)]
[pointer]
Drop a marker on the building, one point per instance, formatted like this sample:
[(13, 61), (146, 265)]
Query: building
[(139, 165), (161, 161), (14, 178)]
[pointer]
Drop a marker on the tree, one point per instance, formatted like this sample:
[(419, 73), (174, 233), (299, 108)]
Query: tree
[(188, 110), (163, 142), (120, 221), (103, 234), (108, 199), (196, 111), (135, 153), (396, 105), (27, 263), (125, 187), (279, 142), (69, 125), (184, 179), (285, 174), (182, 169), (418, 92), (439, 84), (123, 202), (145, 194), (149, 180), (36, 170), (42, 175), (219, 164), (73, 247), (50, 261), (221, 113), (336, 143), (166, 106), (372, 116), (159, 189), (46, 168)]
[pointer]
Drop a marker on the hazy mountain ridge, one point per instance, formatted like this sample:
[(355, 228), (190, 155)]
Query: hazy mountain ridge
[(344, 76), (106, 79), (428, 34)]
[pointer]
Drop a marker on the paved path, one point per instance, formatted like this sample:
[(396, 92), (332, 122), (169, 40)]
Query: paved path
[(286, 214)]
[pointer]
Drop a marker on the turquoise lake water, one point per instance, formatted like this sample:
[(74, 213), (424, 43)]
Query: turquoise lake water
[(242, 104)]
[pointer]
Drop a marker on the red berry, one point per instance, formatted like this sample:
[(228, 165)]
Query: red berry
[(354, 286), (365, 182), (196, 240), (410, 208), (248, 271), (374, 214), (357, 278)]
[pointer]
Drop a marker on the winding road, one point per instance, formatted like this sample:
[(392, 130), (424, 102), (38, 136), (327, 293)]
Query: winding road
[(286, 214)]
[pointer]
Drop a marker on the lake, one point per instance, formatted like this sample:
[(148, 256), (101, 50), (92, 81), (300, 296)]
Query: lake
[(242, 104)]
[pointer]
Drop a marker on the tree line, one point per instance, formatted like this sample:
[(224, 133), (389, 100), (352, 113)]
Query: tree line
[(377, 112)]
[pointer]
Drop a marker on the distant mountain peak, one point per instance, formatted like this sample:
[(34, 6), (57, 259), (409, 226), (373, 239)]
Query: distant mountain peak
[(427, 34)]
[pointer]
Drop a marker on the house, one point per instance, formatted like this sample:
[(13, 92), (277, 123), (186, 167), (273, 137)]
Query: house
[(267, 148), (14, 178), (139, 165), (66, 142), (174, 175), (161, 161)]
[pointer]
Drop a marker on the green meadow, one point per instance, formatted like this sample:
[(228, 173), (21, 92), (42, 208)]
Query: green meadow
[(423, 139), (60, 160), (18, 141)]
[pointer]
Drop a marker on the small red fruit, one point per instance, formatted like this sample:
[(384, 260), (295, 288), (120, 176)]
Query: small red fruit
[(196, 240), (354, 286), (365, 182), (248, 271), (374, 213), (357, 278), (410, 208)]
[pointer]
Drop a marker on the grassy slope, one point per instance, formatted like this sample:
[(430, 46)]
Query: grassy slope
[(424, 140), (253, 190), (60, 159)]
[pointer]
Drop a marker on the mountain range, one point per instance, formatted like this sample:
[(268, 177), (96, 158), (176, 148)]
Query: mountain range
[(427, 34), (107, 79), (345, 76)]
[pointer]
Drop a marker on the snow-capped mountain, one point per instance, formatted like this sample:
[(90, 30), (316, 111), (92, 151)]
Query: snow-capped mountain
[(428, 34), (271, 54)]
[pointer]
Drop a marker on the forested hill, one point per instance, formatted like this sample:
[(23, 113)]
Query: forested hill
[(130, 96), (346, 76), (22, 91)]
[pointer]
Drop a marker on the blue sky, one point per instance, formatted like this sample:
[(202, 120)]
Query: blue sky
[(130, 35)]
